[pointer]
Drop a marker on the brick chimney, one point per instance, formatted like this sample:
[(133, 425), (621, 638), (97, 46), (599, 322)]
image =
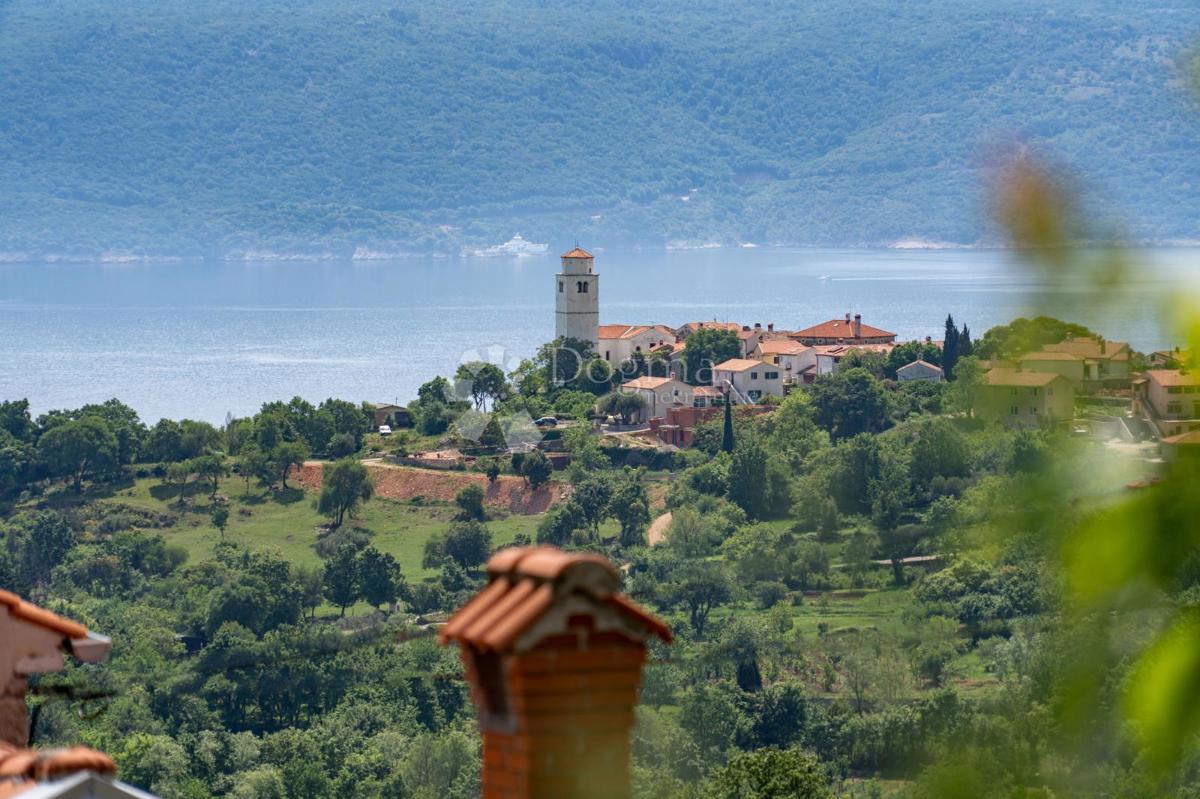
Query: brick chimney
[(554, 658), (770, 327), (32, 641), (858, 325)]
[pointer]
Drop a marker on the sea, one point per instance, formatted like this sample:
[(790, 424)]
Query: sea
[(205, 339)]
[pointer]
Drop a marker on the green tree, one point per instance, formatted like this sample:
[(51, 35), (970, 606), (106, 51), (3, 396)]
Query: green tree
[(536, 469), (748, 477), (949, 348), (220, 518), (470, 503), (78, 449), (630, 506), (345, 484), (769, 774), (468, 543), (848, 402), (211, 468), (704, 349), (700, 586), (727, 439), (341, 579), (624, 405), (284, 456), (482, 381), (379, 578)]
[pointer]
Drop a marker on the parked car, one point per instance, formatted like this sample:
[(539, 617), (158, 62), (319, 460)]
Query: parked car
[(546, 421), (385, 430)]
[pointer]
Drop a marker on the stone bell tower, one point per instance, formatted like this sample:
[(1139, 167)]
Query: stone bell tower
[(577, 298)]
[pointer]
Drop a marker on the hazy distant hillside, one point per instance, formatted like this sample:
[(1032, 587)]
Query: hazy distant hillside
[(203, 127)]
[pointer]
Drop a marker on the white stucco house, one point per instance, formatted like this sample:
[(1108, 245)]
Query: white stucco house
[(750, 380)]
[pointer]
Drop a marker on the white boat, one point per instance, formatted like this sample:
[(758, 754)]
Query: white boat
[(516, 246)]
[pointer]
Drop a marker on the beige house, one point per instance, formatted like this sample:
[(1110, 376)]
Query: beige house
[(1066, 364), (1170, 398), (919, 370), (658, 394), (619, 343), (751, 337), (1103, 360), (1019, 398), (792, 357), (749, 380)]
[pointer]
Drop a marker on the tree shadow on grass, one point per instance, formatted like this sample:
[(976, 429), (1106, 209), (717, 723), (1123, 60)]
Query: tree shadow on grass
[(288, 496)]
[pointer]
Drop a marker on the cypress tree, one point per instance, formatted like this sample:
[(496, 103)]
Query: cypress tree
[(727, 438), (950, 348), (965, 347)]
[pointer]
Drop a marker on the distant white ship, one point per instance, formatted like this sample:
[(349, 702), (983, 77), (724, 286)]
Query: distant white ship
[(516, 246)]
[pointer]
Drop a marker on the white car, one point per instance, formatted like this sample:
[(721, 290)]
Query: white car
[(385, 430)]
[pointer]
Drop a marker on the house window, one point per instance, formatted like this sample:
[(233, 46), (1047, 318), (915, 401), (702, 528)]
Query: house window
[(1033, 391), (754, 375), (581, 287), (1174, 389), (1049, 392), (1174, 407), (1014, 411), (606, 356), (772, 375), (1032, 411), (754, 395), (1189, 389), (1014, 390)]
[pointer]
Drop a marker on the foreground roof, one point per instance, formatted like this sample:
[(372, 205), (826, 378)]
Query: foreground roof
[(77, 772), (533, 591), (1189, 439), (840, 328)]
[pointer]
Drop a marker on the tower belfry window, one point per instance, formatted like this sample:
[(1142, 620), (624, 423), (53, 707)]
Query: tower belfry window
[(560, 287)]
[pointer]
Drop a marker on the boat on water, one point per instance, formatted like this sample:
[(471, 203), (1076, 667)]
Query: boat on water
[(516, 246)]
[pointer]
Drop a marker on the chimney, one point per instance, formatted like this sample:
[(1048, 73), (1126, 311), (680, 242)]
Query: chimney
[(1103, 345), (847, 317), (32, 641), (745, 328), (858, 325), (770, 327), (553, 655), (758, 325)]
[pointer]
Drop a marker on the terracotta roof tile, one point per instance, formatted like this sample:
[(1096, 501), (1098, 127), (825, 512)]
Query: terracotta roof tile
[(43, 764), (21, 609), (578, 252), (526, 583), (840, 328), (1173, 377), (1015, 377), (647, 383), (782, 347), (739, 365)]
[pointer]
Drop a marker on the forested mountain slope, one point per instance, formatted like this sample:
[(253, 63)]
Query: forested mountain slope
[(174, 126)]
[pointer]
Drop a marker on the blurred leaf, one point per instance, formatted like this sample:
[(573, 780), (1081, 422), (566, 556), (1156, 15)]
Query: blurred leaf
[(1163, 695)]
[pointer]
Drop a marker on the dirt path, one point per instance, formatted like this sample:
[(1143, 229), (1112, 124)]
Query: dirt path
[(404, 483), (658, 530)]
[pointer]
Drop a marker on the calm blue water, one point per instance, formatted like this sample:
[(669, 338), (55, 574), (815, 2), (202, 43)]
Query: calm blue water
[(201, 340)]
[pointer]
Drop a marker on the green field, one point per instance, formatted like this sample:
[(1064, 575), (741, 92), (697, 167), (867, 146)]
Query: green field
[(288, 522)]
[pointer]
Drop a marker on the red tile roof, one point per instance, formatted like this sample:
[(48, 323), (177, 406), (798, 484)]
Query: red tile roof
[(629, 331), (840, 328), (578, 252), (782, 347), (1173, 377), (19, 608), (526, 584)]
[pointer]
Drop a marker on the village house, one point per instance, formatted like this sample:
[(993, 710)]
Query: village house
[(619, 343), (829, 356), (751, 337), (1170, 399), (1104, 361), (843, 331), (33, 641), (1066, 364), (1017, 398), (391, 415), (919, 370), (553, 654), (794, 358), (683, 331), (658, 394), (1170, 359), (748, 380)]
